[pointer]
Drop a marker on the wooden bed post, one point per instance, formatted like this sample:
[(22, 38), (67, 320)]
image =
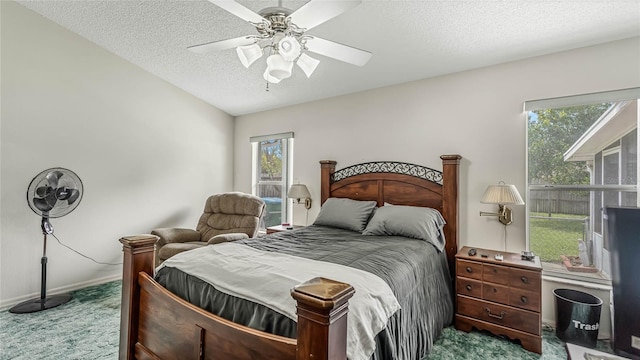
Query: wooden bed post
[(450, 166), (322, 319), (327, 167), (138, 256)]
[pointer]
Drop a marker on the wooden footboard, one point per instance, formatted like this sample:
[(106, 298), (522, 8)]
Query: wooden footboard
[(156, 324)]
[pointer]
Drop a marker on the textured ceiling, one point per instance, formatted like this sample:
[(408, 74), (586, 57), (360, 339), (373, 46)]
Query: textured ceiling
[(409, 40)]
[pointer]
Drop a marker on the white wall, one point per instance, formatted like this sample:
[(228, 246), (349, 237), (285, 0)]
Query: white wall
[(148, 153), (477, 114)]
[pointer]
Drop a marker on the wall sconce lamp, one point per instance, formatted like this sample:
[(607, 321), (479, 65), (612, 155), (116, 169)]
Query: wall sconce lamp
[(298, 192), (503, 195)]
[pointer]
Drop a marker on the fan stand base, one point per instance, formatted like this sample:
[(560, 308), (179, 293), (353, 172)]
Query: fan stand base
[(35, 305)]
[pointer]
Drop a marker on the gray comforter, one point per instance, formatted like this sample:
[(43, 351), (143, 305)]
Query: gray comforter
[(416, 272)]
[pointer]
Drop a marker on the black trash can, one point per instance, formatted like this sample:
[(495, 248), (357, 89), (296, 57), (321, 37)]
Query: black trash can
[(577, 317)]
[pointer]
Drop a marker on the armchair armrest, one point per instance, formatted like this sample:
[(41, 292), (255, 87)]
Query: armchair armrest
[(227, 237), (175, 235)]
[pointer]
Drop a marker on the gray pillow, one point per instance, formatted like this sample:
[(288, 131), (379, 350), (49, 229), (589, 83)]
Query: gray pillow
[(345, 213), (408, 221)]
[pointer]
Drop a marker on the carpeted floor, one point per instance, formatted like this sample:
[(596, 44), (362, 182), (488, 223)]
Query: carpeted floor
[(87, 328)]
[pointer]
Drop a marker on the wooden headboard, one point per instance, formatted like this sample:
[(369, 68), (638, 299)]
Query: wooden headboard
[(400, 184)]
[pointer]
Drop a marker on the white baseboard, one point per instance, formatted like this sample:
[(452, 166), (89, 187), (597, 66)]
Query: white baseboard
[(6, 304)]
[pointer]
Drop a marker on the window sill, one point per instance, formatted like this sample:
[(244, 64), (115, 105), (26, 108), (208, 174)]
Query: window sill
[(559, 274)]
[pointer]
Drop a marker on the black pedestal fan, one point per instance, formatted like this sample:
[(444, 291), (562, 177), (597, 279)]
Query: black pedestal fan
[(53, 193)]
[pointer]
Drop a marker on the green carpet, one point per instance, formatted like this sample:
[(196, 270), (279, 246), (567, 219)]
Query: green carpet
[(88, 326), (454, 344)]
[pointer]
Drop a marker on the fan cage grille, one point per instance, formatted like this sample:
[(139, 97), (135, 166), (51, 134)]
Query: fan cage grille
[(61, 208)]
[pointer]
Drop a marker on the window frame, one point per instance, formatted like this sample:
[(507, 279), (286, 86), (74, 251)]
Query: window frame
[(287, 171), (551, 269)]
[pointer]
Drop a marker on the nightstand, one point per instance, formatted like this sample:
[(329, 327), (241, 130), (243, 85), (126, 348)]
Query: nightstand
[(279, 228), (502, 297)]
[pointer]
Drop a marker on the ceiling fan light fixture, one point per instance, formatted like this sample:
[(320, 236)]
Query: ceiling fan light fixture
[(289, 48), (307, 64), (248, 54), (278, 67), (269, 78), (284, 33)]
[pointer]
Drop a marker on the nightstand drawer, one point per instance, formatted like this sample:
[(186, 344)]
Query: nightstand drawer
[(525, 279), (469, 287), (496, 274), (469, 269), (508, 316), (524, 299), (495, 292)]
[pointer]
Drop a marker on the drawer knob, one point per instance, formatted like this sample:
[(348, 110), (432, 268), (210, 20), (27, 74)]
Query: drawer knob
[(468, 269), (524, 279), (495, 290), (495, 316), (468, 287), (495, 270), (523, 299)]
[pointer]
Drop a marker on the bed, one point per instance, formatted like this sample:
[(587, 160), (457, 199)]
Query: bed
[(158, 324)]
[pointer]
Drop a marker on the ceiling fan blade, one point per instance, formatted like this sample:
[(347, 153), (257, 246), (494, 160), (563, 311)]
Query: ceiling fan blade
[(315, 12), (238, 10), (42, 205), (222, 44), (53, 178), (338, 51)]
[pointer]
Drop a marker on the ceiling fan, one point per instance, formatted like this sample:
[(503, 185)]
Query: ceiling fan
[(283, 33)]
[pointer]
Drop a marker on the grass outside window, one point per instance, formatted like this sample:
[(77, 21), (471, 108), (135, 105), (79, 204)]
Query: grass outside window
[(555, 235)]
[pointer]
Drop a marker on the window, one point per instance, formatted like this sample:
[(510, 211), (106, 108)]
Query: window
[(582, 156), (271, 160)]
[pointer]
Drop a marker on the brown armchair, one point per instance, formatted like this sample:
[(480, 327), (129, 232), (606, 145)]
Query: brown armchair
[(227, 217)]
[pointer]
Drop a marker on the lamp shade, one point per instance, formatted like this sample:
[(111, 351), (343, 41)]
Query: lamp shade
[(298, 191), (269, 78), (278, 68), (307, 64), (289, 48), (502, 194), (249, 53)]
